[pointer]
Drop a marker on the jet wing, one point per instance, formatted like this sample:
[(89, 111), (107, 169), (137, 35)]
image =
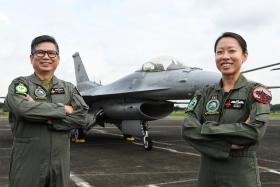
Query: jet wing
[(107, 92)]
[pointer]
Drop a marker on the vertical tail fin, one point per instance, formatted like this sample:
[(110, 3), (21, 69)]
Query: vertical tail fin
[(80, 71), (82, 80)]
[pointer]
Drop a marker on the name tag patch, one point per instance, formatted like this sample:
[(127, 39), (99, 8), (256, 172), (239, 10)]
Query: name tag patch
[(57, 91), (234, 103)]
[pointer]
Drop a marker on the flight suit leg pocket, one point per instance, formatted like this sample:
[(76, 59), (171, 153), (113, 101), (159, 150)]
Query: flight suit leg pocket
[(20, 146), (17, 159)]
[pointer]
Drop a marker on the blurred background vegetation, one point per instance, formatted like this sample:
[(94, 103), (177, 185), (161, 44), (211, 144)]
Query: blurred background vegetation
[(178, 111)]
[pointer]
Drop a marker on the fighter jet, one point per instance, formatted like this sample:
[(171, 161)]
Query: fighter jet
[(134, 100)]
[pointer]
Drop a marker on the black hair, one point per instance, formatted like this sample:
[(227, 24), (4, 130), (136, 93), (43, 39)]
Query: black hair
[(237, 37), (41, 39)]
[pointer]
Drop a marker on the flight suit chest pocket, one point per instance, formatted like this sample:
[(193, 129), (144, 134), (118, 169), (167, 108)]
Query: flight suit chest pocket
[(235, 110), (59, 95)]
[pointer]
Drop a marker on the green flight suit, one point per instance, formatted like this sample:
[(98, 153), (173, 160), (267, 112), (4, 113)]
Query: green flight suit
[(41, 149), (214, 121)]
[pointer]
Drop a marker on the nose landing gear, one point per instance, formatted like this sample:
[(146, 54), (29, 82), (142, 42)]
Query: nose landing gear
[(147, 141)]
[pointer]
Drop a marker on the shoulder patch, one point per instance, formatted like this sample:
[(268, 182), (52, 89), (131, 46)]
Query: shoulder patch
[(262, 94), (21, 89), (191, 106)]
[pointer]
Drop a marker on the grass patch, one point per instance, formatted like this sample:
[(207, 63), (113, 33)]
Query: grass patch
[(5, 114), (178, 113), (274, 115)]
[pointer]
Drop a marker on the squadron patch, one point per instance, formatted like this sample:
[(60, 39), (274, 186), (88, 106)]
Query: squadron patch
[(40, 93), (234, 103), (262, 94), (192, 104), (212, 106), (21, 89), (57, 91)]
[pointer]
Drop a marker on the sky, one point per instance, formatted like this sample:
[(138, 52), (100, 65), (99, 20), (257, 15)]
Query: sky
[(115, 37)]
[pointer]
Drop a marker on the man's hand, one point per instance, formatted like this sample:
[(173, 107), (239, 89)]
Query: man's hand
[(248, 120), (29, 98), (68, 109)]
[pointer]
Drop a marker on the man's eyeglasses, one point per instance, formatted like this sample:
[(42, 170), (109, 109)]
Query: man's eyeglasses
[(41, 53)]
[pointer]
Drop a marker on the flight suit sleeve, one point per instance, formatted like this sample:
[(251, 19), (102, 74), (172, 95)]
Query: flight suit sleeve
[(79, 118), (21, 107), (243, 133), (191, 131)]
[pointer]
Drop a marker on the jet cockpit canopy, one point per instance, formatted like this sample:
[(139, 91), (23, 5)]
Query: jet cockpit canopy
[(163, 63)]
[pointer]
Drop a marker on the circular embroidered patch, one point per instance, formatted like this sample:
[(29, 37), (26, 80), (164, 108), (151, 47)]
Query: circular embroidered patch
[(212, 105), (40, 93), (262, 94)]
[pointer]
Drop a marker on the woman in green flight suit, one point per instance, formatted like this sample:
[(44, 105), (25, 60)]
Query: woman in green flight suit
[(226, 121)]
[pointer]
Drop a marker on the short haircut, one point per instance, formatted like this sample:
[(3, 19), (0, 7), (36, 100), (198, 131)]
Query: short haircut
[(237, 37), (41, 39)]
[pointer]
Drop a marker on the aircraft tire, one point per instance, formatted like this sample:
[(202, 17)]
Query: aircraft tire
[(74, 135), (148, 144)]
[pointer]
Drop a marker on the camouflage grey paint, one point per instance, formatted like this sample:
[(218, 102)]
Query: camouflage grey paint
[(141, 95)]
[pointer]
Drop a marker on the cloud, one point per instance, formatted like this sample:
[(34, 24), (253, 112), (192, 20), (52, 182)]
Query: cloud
[(4, 19), (115, 38)]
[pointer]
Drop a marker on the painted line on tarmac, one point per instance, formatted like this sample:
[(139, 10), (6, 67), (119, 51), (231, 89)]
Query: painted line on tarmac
[(79, 181), (267, 160), (171, 150), (163, 143), (173, 182), (269, 170), (186, 153), (131, 173), (104, 132), (163, 148)]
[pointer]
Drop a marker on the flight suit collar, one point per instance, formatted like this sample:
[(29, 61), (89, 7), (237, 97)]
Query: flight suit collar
[(241, 81), (37, 81)]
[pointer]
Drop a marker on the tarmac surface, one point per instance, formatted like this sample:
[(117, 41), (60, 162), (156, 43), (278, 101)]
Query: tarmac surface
[(108, 160)]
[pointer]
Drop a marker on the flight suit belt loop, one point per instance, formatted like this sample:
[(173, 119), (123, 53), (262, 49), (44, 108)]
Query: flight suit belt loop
[(241, 153)]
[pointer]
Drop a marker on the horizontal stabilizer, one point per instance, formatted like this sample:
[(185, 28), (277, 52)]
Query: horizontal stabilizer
[(262, 67)]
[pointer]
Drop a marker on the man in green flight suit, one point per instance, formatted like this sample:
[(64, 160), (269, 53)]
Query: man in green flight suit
[(44, 109), (225, 122)]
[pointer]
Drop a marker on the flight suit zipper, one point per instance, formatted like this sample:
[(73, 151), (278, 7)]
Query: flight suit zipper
[(223, 103), (49, 100)]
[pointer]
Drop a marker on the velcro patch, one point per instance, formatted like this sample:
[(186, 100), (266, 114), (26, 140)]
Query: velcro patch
[(262, 94), (192, 104), (234, 103), (21, 89), (57, 91)]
